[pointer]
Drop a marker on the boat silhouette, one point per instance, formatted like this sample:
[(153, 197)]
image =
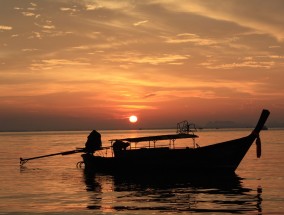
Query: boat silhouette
[(223, 157)]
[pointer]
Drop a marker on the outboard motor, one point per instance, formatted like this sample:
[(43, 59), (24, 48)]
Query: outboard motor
[(93, 143)]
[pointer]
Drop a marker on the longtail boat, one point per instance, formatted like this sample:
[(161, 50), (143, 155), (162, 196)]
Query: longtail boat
[(222, 157)]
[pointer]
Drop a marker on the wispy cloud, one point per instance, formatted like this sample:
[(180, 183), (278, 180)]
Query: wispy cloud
[(68, 9), (55, 63), (251, 14), (189, 38), (244, 64), (5, 27), (149, 95), (28, 14), (154, 60), (140, 23)]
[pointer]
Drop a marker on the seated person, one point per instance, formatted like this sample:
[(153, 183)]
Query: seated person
[(118, 146)]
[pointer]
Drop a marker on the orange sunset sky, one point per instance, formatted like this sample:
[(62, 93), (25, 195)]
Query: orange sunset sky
[(90, 64)]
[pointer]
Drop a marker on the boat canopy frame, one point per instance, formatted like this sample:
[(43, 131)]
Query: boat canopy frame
[(184, 127), (184, 130)]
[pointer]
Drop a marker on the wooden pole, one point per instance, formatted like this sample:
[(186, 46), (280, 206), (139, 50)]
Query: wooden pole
[(25, 160)]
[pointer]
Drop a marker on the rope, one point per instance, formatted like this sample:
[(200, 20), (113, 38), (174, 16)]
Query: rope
[(258, 147), (79, 164)]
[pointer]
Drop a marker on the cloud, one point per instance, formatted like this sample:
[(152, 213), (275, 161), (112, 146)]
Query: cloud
[(55, 63), (247, 64), (5, 27), (262, 16), (68, 9), (277, 56), (28, 14), (126, 107), (150, 95), (154, 60), (140, 23), (29, 50), (189, 38), (92, 7), (253, 62)]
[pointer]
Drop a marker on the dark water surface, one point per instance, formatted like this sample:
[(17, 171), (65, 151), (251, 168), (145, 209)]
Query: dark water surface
[(55, 186)]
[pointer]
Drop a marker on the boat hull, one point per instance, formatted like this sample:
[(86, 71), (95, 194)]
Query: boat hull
[(222, 157)]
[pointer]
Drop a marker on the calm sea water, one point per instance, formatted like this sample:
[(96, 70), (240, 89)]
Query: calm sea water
[(55, 186)]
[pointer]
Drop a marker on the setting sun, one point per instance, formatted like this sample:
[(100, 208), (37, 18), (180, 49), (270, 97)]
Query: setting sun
[(133, 119)]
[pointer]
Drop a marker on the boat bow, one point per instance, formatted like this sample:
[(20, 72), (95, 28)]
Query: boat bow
[(261, 122)]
